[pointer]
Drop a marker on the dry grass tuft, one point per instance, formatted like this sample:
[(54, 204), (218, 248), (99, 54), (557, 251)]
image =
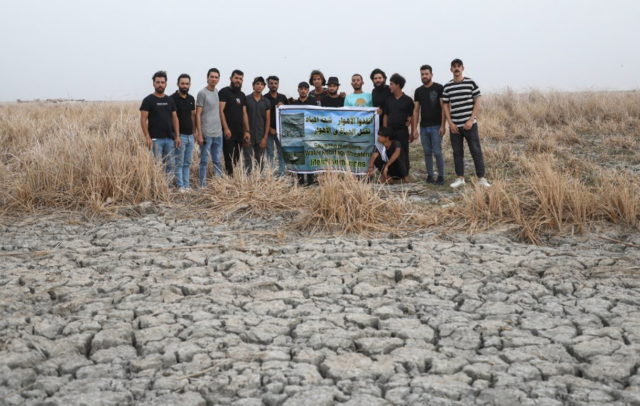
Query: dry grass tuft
[(257, 194), (344, 203)]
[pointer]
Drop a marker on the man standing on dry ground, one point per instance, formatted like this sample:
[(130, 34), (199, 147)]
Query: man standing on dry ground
[(358, 98), (209, 126), (398, 110), (235, 122), (273, 144), (317, 80), (186, 111), (303, 96), (332, 98), (157, 118), (428, 109), (461, 98), (259, 113)]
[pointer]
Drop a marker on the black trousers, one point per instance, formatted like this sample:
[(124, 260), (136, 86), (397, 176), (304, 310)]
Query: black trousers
[(402, 135), (473, 141), (250, 153), (231, 151)]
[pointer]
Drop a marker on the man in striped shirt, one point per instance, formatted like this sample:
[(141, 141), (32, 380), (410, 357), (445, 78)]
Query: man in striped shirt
[(461, 98)]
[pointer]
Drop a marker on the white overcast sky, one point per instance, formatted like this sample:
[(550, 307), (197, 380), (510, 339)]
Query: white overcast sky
[(108, 50)]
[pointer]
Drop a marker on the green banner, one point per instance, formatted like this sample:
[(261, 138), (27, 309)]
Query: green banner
[(318, 139)]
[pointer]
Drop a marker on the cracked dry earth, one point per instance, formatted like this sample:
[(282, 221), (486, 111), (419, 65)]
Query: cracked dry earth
[(159, 311)]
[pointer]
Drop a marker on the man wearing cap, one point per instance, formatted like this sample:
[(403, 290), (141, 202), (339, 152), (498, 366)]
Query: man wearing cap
[(358, 98), (461, 102), (303, 95), (273, 144), (332, 98), (259, 114)]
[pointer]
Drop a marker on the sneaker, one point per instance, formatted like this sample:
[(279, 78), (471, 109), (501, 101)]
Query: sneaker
[(183, 190), (440, 180), (430, 179), (458, 182), (483, 182)]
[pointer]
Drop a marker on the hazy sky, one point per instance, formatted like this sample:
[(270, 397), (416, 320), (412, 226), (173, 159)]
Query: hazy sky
[(110, 49)]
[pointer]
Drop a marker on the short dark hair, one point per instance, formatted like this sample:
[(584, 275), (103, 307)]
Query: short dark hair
[(273, 77), (457, 61), (314, 73), (376, 71), (237, 72), (398, 80), (184, 76), (213, 70), (426, 67), (357, 74), (258, 79), (159, 74)]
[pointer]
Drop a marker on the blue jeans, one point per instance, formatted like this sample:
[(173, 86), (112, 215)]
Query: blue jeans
[(432, 146), (183, 160), (163, 148), (272, 145), (210, 146)]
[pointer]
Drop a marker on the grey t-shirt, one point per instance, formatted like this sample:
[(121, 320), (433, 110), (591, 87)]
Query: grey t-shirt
[(210, 103), (257, 114)]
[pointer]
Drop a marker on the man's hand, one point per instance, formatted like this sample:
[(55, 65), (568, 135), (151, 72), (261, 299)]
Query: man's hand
[(441, 130), (149, 142), (263, 142), (246, 137), (272, 131), (453, 128), (178, 142), (371, 171), (227, 134), (199, 140), (468, 124)]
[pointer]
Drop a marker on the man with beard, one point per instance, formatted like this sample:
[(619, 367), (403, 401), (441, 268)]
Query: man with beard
[(380, 89), (358, 98), (303, 95), (332, 98), (428, 108), (186, 111), (209, 126), (259, 113), (157, 117), (235, 122), (398, 110), (273, 144), (461, 98)]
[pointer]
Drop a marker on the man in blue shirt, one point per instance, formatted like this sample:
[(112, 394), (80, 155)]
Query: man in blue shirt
[(358, 98)]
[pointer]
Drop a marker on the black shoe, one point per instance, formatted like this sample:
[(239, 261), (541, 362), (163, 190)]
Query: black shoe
[(430, 179), (440, 180)]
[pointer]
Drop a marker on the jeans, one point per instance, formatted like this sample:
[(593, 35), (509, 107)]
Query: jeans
[(163, 149), (210, 146), (432, 146), (473, 140), (183, 160), (273, 144)]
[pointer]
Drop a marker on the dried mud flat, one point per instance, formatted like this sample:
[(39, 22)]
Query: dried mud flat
[(156, 310)]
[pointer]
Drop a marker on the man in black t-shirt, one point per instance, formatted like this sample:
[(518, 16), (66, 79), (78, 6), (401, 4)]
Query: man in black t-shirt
[(303, 96), (332, 98), (235, 122), (159, 122), (380, 90), (398, 110), (186, 111), (388, 161), (273, 144), (428, 108)]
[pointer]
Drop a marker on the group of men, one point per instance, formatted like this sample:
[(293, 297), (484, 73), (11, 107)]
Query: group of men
[(227, 122)]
